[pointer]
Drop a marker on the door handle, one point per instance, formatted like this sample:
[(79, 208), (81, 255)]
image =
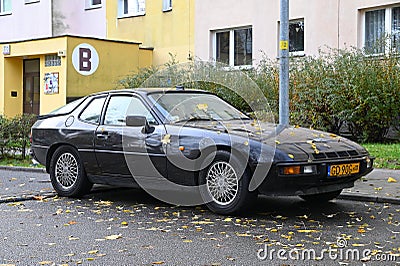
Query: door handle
[(102, 135)]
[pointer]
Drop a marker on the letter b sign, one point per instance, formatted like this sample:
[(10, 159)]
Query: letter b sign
[(85, 59)]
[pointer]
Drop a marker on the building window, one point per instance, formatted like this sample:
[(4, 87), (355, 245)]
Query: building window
[(31, 1), (128, 8), (167, 5), (234, 47), (375, 31), (382, 30), (89, 4), (296, 37), (5, 6), (52, 60)]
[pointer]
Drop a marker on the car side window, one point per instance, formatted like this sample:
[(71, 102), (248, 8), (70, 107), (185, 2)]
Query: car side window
[(92, 111), (120, 106)]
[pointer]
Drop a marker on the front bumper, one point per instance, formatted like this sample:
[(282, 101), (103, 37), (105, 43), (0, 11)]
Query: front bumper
[(277, 184)]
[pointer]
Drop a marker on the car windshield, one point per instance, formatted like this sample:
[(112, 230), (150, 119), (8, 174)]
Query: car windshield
[(68, 108), (181, 107)]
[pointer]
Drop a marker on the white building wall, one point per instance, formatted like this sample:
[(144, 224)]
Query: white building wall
[(328, 23), (47, 18), (75, 17), (26, 21)]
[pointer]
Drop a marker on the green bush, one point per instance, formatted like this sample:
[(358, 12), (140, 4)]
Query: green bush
[(14, 135), (340, 91), (344, 89)]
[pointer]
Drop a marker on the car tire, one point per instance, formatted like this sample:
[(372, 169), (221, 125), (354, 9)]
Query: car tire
[(225, 191), (67, 173), (322, 197)]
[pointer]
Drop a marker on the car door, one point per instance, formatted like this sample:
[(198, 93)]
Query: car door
[(125, 151)]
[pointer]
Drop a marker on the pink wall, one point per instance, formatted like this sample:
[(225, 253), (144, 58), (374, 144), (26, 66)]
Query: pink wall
[(72, 17), (22, 25), (34, 20), (328, 23)]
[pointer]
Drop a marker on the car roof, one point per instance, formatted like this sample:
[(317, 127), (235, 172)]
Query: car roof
[(145, 91)]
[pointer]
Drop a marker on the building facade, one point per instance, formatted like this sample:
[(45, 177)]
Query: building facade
[(241, 33), (54, 51)]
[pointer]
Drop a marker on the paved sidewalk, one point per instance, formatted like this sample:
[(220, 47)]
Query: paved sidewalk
[(376, 187)]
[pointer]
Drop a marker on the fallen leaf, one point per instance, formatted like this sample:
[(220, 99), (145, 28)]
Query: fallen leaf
[(202, 222), (202, 106), (245, 234), (113, 237), (308, 231), (166, 139), (291, 155), (359, 245), (39, 198), (93, 252), (46, 262), (391, 180), (158, 262)]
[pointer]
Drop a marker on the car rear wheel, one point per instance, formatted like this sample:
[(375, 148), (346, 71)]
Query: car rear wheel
[(322, 197), (226, 192), (67, 174)]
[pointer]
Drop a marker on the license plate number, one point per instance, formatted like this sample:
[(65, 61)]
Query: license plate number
[(338, 170)]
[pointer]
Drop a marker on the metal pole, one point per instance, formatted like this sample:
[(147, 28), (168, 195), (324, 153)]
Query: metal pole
[(284, 64)]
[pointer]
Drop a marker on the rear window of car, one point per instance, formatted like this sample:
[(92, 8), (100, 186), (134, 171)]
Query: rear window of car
[(92, 111), (68, 108)]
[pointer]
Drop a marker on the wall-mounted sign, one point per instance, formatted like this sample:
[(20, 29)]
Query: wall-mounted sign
[(85, 59), (6, 49), (51, 83)]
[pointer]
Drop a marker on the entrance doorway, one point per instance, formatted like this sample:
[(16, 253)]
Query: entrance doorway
[(31, 100)]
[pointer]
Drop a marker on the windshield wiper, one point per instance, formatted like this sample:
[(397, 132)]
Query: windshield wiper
[(191, 119)]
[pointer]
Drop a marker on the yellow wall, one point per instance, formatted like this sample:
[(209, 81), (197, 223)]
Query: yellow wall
[(12, 82), (167, 32), (50, 102), (13, 74), (116, 60), (145, 57), (1, 85)]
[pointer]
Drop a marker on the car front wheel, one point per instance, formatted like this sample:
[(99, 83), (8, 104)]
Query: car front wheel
[(226, 189), (322, 197), (67, 174)]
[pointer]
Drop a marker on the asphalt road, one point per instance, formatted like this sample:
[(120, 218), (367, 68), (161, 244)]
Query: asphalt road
[(116, 226)]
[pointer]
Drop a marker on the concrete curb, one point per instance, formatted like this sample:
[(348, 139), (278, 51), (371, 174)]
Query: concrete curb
[(12, 199), (23, 169), (367, 198)]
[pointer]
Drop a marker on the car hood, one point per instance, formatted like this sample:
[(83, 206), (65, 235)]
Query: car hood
[(291, 143)]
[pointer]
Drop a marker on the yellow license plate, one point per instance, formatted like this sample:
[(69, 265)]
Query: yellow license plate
[(338, 170)]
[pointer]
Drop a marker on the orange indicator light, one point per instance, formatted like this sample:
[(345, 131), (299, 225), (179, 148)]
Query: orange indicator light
[(291, 170)]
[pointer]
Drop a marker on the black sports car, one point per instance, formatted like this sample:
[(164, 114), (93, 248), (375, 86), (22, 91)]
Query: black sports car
[(189, 147)]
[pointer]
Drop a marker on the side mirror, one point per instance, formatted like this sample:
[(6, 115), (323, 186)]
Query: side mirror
[(138, 121)]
